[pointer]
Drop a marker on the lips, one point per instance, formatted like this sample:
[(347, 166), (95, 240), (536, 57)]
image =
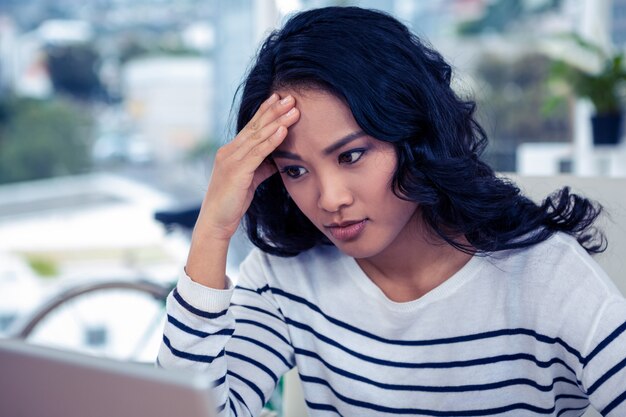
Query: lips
[(348, 230)]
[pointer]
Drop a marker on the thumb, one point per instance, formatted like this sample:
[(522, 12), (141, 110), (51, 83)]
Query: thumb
[(263, 172)]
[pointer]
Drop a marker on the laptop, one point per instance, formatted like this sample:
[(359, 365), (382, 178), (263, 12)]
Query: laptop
[(37, 381)]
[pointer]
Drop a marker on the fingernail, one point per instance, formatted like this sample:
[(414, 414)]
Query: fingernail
[(273, 97), (286, 100), (292, 111)]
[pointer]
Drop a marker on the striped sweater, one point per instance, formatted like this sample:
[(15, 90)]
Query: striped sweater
[(533, 332)]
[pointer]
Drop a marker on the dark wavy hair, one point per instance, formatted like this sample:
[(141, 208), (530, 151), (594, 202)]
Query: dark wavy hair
[(398, 89)]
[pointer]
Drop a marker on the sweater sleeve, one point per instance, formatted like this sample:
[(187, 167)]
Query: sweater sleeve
[(604, 365), (237, 336)]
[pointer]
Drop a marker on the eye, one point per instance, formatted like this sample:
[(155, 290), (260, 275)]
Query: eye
[(350, 157), (293, 171)]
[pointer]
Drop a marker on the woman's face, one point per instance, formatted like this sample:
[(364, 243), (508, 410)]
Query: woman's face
[(340, 178)]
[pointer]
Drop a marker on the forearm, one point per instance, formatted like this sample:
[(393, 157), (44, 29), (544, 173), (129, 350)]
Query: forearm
[(206, 262)]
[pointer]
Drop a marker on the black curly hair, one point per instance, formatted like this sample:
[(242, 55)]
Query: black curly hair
[(398, 89)]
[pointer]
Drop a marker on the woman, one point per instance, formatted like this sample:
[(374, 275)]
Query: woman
[(393, 268)]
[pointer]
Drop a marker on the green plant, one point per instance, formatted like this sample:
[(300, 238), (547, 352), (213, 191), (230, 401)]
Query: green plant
[(44, 267), (43, 138), (603, 87)]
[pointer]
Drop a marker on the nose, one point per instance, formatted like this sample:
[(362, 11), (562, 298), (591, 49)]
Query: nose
[(333, 194)]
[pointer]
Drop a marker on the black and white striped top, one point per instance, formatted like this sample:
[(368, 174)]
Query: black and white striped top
[(534, 332)]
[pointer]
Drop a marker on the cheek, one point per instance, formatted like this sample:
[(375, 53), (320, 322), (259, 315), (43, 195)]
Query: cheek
[(384, 164), (379, 173), (378, 187), (377, 192)]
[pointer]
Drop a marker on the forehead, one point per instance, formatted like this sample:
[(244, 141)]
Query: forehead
[(324, 119)]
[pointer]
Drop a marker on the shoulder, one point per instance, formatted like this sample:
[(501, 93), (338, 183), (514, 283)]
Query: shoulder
[(558, 263), (555, 279), (556, 288)]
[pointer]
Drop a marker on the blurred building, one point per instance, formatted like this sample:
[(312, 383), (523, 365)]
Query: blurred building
[(58, 232), (169, 99), (618, 23), (234, 48), (23, 68), (8, 58), (67, 216), (22, 64)]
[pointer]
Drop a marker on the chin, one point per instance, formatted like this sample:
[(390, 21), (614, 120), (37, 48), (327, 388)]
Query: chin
[(357, 250)]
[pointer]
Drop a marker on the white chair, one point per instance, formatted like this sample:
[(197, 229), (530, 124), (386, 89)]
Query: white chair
[(610, 192)]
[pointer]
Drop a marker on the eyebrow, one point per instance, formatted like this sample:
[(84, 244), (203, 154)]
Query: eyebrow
[(327, 151)]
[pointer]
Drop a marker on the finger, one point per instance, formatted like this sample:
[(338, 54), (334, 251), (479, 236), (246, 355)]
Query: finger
[(269, 133), (265, 106), (275, 111), (287, 119), (261, 151), (238, 152), (256, 116), (254, 121)]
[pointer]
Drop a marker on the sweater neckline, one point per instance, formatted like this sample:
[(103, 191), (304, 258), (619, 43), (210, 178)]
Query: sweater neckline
[(443, 290)]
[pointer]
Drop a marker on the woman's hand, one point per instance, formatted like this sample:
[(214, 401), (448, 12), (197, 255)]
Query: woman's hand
[(238, 169), (241, 165)]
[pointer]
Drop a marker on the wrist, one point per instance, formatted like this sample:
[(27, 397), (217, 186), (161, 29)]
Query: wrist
[(206, 263)]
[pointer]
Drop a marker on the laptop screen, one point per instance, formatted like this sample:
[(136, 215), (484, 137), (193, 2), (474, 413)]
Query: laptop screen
[(46, 382)]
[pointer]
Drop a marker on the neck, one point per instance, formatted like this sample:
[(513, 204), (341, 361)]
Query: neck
[(417, 262)]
